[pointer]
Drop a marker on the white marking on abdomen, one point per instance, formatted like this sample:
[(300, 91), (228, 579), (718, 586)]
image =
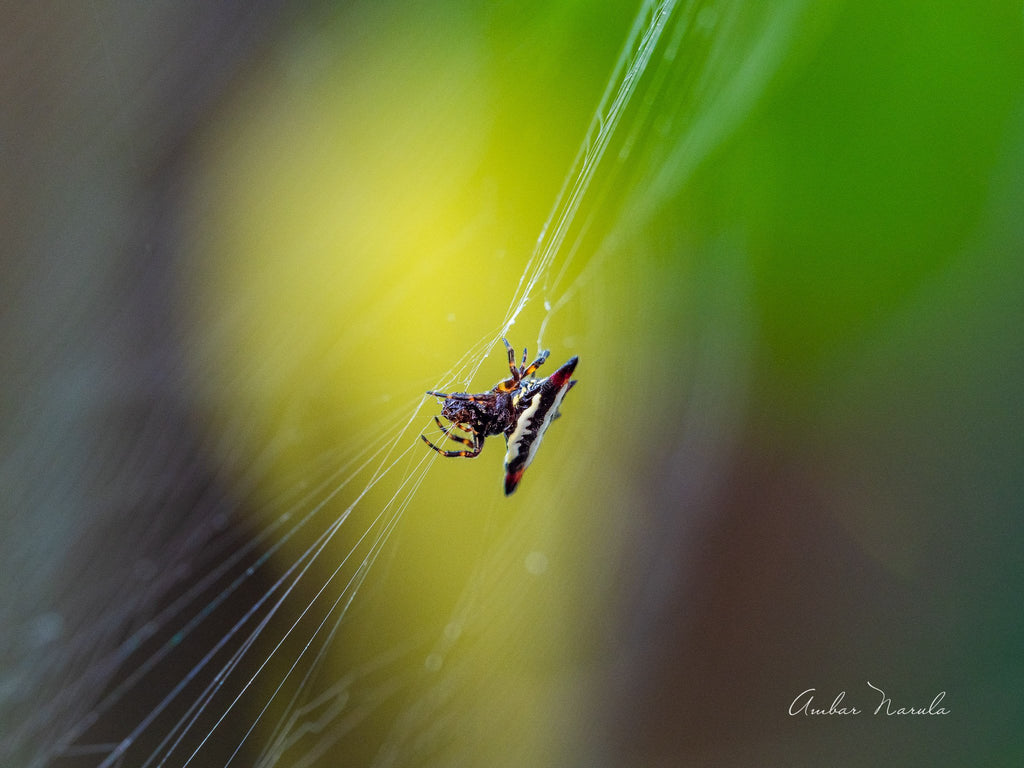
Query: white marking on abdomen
[(522, 427)]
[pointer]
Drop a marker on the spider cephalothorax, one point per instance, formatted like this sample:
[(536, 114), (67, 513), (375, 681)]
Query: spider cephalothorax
[(521, 407)]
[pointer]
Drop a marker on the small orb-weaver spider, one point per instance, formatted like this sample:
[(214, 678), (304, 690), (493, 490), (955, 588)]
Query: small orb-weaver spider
[(521, 407)]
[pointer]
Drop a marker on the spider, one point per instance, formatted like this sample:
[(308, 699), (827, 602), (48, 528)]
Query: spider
[(521, 407)]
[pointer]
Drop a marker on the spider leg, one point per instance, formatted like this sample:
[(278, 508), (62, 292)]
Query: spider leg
[(477, 446), (511, 358), (536, 363), (460, 396), (448, 429), (447, 432), (463, 440)]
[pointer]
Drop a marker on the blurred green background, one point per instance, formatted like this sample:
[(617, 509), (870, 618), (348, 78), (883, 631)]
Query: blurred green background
[(244, 240)]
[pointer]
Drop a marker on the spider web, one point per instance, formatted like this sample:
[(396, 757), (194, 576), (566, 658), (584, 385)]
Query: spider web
[(255, 681)]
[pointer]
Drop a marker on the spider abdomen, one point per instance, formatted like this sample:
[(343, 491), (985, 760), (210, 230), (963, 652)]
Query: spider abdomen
[(536, 410)]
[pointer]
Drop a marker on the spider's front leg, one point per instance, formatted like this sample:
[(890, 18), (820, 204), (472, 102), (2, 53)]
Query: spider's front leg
[(448, 431), (457, 396), (477, 445)]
